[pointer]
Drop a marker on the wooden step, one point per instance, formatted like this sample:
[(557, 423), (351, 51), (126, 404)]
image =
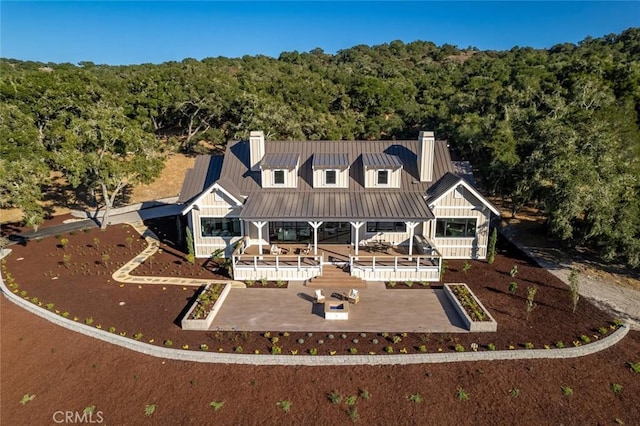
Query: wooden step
[(336, 277)]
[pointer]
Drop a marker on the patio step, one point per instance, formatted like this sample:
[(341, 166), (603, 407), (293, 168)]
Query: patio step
[(335, 277)]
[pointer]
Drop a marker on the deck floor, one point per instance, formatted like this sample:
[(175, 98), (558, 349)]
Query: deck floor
[(379, 310)]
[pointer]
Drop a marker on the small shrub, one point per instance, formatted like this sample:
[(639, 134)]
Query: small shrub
[(560, 344), (409, 283), (491, 248), (388, 349), (280, 283), (351, 400), (352, 412), (216, 405), (353, 351), (276, 350), (603, 330), (514, 271), (566, 390), (396, 339), (466, 266), (65, 314), (112, 329), (416, 397), (238, 349), (149, 409), (422, 348), (458, 347), (264, 282), (334, 397), (364, 394), (513, 286), (491, 347), (616, 388), (574, 288), (204, 347), (392, 284), (528, 345), (137, 336), (27, 398), (530, 304), (285, 405), (585, 338), (514, 392), (462, 394), (49, 306), (250, 283), (634, 366), (168, 343)]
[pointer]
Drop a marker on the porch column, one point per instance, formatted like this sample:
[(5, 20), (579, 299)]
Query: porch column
[(412, 227), (259, 225), (315, 226), (357, 225)]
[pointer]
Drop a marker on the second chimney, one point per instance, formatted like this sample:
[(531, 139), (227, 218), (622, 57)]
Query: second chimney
[(426, 146), (256, 149)]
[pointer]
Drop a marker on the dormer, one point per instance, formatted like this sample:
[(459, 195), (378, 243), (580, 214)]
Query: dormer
[(280, 170), (381, 170), (330, 170)]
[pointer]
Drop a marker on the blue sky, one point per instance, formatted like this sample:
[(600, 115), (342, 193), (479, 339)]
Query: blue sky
[(120, 32)]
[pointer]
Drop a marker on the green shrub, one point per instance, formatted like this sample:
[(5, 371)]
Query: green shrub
[(462, 394), (566, 390), (513, 286), (458, 347), (416, 397), (334, 397), (491, 248), (491, 347)]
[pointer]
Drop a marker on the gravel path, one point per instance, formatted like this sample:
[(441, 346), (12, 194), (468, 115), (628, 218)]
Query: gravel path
[(620, 301)]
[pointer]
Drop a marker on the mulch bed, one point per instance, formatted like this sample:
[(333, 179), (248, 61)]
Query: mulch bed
[(120, 382), (83, 288)]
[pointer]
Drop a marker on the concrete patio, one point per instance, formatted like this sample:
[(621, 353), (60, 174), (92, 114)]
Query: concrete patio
[(379, 310)]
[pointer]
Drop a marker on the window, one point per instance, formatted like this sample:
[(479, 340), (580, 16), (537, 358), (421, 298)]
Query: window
[(386, 227), (220, 227), (278, 177), (456, 228), (330, 177), (288, 232), (383, 177)]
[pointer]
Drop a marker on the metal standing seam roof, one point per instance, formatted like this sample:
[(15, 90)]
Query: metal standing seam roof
[(204, 173), (443, 185), (277, 160), (383, 206), (379, 160), (353, 203), (330, 160)]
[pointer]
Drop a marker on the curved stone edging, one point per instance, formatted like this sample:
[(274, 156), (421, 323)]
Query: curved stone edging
[(312, 360), (122, 275)]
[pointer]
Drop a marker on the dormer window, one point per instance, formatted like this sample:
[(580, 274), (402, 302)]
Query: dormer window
[(279, 170), (330, 170), (382, 177), (330, 177), (381, 170), (278, 177)]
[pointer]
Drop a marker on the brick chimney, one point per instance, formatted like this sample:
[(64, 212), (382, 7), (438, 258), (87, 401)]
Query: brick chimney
[(256, 149), (426, 146)]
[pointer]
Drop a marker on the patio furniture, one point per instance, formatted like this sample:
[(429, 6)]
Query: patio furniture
[(275, 249), (306, 250), (354, 296), (320, 296)]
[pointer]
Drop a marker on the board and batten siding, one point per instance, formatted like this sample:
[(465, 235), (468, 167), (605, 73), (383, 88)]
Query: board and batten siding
[(290, 178), (342, 178), (465, 205), (212, 206), (370, 178)]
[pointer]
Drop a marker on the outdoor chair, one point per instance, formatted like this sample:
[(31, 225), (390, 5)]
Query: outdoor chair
[(320, 296), (354, 296), (307, 250), (275, 249)]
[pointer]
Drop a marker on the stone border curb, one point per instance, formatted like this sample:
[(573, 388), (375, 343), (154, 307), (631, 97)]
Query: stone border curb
[(122, 274), (312, 360)]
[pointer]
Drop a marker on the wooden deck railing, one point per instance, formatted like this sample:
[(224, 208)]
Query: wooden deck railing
[(404, 262)]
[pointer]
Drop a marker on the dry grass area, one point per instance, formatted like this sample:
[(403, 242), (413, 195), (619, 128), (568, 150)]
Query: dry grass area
[(61, 199)]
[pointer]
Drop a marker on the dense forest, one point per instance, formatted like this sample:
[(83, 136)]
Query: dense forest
[(554, 128)]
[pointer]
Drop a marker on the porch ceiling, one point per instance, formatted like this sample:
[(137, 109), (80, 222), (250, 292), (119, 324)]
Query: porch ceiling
[(336, 206)]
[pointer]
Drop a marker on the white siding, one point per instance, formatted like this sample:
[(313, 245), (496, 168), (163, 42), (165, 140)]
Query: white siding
[(342, 179), (467, 206), (217, 207), (371, 181), (290, 178)]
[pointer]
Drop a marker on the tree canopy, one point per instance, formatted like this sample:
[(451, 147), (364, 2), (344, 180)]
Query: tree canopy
[(554, 128)]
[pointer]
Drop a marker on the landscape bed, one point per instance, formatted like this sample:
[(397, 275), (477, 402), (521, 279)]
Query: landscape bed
[(154, 312)]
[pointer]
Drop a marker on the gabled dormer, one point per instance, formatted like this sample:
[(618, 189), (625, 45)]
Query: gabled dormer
[(330, 170), (381, 170), (280, 170)]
